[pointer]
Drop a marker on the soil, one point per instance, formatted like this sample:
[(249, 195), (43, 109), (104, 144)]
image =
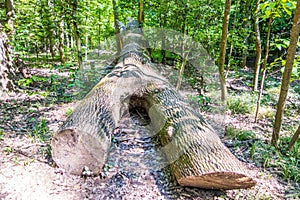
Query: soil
[(134, 169)]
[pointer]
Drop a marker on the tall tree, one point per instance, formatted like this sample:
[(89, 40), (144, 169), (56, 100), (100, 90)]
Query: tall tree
[(223, 50), (286, 75), (257, 47), (6, 67)]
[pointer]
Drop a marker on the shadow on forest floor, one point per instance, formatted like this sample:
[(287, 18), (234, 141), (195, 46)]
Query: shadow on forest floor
[(28, 121)]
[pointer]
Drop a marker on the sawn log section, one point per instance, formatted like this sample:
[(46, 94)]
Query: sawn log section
[(196, 154)]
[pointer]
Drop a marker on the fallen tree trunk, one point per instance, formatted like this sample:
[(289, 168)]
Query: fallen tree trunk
[(196, 154)]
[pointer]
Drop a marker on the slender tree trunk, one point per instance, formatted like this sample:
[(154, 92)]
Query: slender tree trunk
[(61, 42), (246, 26), (10, 15), (76, 33), (286, 75), (223, 50), (51, 45), (294, 139), (99, 31), (183, 63), (258, 48), (141, 13), (231, 45), (86, 46), (117, 27), (264, 69), (86, 38), (6, 67)]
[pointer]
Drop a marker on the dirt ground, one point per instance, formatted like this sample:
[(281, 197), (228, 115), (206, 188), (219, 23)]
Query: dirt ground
[(133, 169)]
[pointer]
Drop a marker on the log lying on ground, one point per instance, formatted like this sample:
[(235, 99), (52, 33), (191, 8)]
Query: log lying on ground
[(196, 154)]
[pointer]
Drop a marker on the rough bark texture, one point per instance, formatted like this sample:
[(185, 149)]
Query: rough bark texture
[(223, 50), (286, 75), (196, 154), (6, 67)]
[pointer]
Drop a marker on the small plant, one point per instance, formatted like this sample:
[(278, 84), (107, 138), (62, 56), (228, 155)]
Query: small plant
[(1, 134), (239, 134), (8, 150), (69, 112), (242, 104), (41, 130)]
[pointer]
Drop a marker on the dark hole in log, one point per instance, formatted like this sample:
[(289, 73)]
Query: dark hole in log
[(138, 110)]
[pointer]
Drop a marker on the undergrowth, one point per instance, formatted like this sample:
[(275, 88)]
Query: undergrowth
[(285, 163), (243, 103)]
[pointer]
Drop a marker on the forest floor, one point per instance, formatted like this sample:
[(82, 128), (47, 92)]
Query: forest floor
[(133, 171)]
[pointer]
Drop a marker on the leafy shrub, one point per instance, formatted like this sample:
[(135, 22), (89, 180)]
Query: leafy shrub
[(239, 134), (242, 104), (286, 162), (41, 130)]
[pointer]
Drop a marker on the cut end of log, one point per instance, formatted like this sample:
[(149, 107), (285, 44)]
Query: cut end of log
[(219, 180), (76, 152)]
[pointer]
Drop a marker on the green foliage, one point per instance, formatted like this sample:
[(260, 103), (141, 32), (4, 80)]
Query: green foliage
[(287, 163), (243, 103), (69, 112), (1, 134), (41, 131), (202, 101), (239, 134), (25, 82)]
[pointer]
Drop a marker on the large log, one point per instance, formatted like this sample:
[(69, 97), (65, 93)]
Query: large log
[(196, 154)]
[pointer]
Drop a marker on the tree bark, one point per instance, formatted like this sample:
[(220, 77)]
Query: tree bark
[(286, 76), (141, 13), (223, 50), (10, 15), (6, 67), (264, 69), (196, 154), (258, 48)]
